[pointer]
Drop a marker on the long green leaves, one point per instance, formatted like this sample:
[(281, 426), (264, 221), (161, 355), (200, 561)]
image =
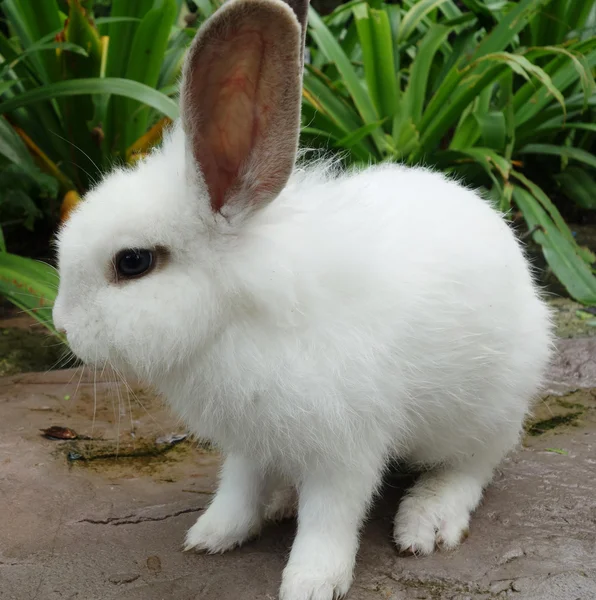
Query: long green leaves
[(374, 31), (562, 255), (333, 50), (109, 85), (147, 55)]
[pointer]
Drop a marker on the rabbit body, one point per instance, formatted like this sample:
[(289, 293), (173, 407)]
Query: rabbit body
[(359, 317), (313, 324)]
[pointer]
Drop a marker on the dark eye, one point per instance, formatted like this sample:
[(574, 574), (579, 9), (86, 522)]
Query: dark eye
[(133, 263)]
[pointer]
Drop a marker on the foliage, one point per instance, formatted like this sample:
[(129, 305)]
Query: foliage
[(500, 93)]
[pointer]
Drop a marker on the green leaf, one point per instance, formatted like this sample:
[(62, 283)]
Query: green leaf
[(439, 117), (522, 66), (126, 16), (12, 147), (30, 285), (538, 193), (341, 13), (457, 58), (579, 185), (40, 48), (32, 21), (121, 35), (467, 131), (509, 26), (465, 85), (109, 20), (418, 84), (354, 137), (6, 85), (206, 7), (147, 54), (479, 8), (551, 116), (374, 32), (580, 65), (78, 112), (561, 151), (488, 159), (40, 120), (566, 127), (108, 85), (530, 102), (414, 16), (334, 52), (560, 253), (325, 103), (323, 97), (493, 128), (171, 66)]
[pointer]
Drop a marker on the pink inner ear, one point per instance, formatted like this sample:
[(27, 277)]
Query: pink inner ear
[(227, 87)]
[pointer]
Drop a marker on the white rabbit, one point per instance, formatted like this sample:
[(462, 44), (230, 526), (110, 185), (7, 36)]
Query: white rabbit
[(312, 324)]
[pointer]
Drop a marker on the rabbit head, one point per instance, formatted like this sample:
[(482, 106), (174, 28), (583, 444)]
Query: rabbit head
[(141, 259)]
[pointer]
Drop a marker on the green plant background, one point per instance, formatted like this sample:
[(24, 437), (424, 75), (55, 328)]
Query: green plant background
[(500, 94)]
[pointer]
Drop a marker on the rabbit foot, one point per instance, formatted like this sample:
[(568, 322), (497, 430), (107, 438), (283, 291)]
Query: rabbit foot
[(422, 526), (216, 532), (283, 505), (436, 511), (311, 584)]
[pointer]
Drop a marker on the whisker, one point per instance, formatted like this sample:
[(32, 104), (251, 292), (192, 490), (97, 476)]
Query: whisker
[(113, 384), (123, 379), (82, 151), (64, 359), (94, 393), (80, 368), (132, 428), (119, 419), (79, 382)]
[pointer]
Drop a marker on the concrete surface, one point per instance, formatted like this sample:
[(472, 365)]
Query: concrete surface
[(108, 523)]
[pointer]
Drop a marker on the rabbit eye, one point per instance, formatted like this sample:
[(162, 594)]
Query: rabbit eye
[(133, 263)]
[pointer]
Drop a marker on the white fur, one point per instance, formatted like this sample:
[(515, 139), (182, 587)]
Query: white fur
[(387, 312)]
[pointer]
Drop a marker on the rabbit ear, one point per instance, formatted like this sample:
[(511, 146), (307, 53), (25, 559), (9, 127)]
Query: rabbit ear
[(241, 97), (300, 8)]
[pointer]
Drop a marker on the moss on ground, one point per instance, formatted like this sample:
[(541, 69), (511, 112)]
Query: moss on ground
[(572, 320), (555, 414), (23, 351), (540, 427)]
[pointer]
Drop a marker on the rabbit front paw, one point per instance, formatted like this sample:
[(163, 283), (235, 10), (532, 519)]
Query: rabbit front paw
[(311, 582), (217, 531)]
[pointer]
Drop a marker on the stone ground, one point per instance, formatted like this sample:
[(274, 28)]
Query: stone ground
[(104, 518)]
